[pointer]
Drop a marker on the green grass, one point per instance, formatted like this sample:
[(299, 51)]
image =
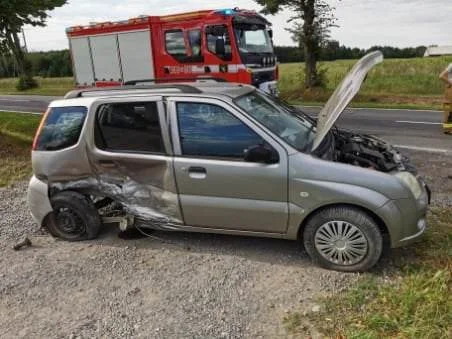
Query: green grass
[(16, 136), (415, 303), (47, 86), (398, 82)]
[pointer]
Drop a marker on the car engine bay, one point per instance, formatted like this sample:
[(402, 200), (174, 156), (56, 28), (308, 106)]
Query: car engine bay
[(368, 151)]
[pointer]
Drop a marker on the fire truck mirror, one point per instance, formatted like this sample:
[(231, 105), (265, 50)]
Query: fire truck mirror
[(219, 47)]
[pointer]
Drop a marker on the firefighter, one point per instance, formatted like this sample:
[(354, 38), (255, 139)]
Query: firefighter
[(446, 76)]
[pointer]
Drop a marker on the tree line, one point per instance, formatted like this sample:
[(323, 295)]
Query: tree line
[(44, 64), (58, 63), (332, 50)]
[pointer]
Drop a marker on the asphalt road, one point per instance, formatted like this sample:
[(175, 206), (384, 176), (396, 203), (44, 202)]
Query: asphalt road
[(419, 130), (25, 103)]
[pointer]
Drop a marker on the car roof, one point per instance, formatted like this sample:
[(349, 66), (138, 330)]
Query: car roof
[(206, 88)]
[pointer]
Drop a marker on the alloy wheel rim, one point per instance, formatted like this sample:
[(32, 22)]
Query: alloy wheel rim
[(69, 222), (341, 243)]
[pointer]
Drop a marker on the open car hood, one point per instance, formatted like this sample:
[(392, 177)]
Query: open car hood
[(343, 94)]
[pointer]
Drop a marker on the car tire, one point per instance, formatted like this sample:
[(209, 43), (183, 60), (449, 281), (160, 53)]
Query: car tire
[(343, 238), (74, 217)]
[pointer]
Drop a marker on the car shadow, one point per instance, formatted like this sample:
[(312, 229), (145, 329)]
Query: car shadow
[(269, 250)]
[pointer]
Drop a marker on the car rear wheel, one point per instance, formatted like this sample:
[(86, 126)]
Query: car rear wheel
[(74, 217), (343, 238)]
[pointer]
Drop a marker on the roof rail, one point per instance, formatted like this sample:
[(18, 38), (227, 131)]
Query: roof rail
[(184, 88), (166, 80)]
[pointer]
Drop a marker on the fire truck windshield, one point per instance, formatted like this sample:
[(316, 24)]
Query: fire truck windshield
[(252, 39)]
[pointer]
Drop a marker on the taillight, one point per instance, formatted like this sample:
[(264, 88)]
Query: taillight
[(38, 131)]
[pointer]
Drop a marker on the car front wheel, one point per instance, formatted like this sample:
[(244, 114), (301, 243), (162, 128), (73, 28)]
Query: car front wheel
[(343, 238)]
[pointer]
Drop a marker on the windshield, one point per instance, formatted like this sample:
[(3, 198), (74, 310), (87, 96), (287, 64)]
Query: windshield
[(253, 38), (297, 130)]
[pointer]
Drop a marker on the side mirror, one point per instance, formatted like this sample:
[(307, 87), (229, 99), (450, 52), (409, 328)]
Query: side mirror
[(220, 47), (270, 33), (262, 154)]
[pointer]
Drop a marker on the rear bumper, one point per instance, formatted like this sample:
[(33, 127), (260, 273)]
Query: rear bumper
[(38, 200)]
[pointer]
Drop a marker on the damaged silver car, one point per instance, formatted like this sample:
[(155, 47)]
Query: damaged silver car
[(224, 158)]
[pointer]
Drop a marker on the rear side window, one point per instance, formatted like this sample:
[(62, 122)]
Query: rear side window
[(129, 127), (60, 129), (175, 44)]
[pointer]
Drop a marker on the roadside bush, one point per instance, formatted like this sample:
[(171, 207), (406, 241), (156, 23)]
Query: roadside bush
[(26, 82)]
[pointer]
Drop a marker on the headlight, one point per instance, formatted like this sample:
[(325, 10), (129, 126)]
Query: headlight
[(410, 181)]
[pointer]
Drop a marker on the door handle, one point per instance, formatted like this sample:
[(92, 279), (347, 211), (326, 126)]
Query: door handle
[(195, 169), (195, 172)]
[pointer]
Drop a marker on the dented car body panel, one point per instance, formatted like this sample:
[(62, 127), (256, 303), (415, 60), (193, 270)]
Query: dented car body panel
[(175, 183)]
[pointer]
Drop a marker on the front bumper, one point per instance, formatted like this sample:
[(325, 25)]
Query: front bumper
[(38, 200), (413, 218)]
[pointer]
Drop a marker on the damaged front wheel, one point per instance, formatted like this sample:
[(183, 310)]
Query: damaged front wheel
[(74, 217)]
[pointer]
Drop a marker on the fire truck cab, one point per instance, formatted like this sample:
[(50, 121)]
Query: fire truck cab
[(230, 44)]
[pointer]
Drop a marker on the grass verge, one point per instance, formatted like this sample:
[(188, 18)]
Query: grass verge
[(47, 86), (16, 136), (414, 303), (411, 83)]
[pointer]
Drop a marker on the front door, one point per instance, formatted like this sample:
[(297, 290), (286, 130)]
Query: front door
[(217, 188)]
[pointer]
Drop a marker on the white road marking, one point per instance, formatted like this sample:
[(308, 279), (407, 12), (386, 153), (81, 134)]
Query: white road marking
[(16, 100), (419, 122), (424, 149), (21, 112)]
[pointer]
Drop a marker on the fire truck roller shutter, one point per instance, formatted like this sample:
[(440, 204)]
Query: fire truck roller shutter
[(81, 58), (104, 49), (136, 55)]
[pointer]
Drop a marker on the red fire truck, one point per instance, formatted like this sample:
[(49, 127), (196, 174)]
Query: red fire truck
[(230, 44)]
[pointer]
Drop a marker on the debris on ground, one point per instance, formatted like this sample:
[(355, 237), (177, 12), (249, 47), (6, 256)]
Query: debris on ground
[(24, 242)]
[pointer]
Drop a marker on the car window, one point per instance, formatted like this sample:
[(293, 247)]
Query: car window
[(129, 127), (61, 128), (297, 130), (211, 131), (219, 41), (194, 38), (175, 43)]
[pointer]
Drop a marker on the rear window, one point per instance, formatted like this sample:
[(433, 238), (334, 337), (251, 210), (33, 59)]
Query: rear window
[(61, 128)]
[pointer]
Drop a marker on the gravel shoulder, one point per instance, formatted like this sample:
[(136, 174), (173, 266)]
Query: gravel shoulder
[(180, 285)]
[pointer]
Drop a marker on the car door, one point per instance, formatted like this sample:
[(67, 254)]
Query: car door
[(131, 155), (217, 188)]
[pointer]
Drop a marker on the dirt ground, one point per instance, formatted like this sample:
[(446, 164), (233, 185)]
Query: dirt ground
[(177, 285)]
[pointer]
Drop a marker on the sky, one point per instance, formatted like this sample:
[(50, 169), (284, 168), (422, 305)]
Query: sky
[(363, 23)]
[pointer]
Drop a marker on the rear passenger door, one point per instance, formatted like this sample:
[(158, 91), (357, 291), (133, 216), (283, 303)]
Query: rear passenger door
[(217, 188), (132, 157)]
